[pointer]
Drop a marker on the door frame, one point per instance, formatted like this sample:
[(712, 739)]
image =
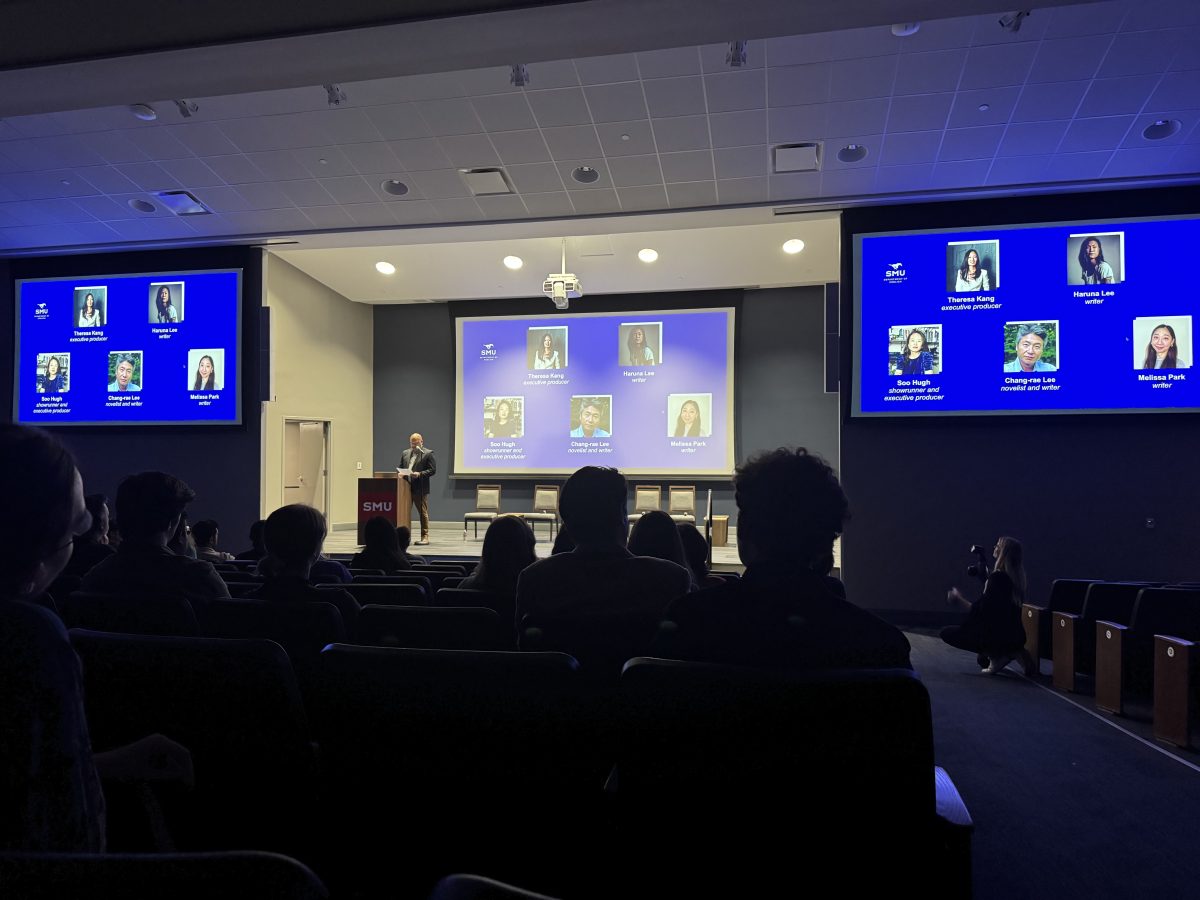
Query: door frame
[(328, 423)]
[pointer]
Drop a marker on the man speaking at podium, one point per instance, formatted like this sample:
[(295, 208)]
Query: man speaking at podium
[(422, 467)]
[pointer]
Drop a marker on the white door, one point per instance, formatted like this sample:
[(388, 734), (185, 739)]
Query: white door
[(305, 445)]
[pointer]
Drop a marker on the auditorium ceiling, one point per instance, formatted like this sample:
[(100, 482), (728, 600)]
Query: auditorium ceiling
[(368, 130)]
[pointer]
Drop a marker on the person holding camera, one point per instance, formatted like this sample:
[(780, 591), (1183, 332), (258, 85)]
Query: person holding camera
[(993, 628)]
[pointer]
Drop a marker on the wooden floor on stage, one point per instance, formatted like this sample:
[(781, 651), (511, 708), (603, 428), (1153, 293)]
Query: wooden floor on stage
[(446, 539)]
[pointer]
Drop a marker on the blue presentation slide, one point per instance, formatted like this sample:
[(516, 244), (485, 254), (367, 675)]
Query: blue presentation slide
[(129, 349), (649, 392), (1078, 317)]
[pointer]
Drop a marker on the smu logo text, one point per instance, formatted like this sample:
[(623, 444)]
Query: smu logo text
[(377, 506), (488, 351), (41, 311), (894, 273)]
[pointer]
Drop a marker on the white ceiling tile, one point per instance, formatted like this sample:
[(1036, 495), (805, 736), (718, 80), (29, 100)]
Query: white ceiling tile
[(874, 40), (742, 190), (151, 229), (1113, 96), (105, 209), (63, 152), (222, 199), (1176, 91), (1092, 19), (249, 135), (989, 31), (370, 215), (113, 147), (433, 86), (412, 212), (44, 125), (634, 171), (675, 96), (504, 112), (265, 196), (1095, 134), (483, 82), (398, 121), (681, 133), (148, 176), (607, 69), (939, 34), (625, 138), (995, 65), (862, 79), (372, 159), (8, 220), (1032, 138), (1067, 59), (552, 74), (738, 129), (742, 162), (1140, 162), (348, 189), (209, 226), (462, 210), (564, 106), (502, 207), (324, 162), (1187, 58), (794, 186), (302, 129), (847, 182), (420, 154), (592, 203), (469, 150), (1162, 15), (203, 139), (572, 141), (1135, 139), (971, 143), (278, 165), (1187, 158), (967, 111), (919, 112), (157, 143), (741, 89), (1050, 101), (450, 116), (797, 123), (798, 85), (965, 173), (648, 196), (535, 178), (553, 203), (857, 117), (566, 167), (796, 49), (929, 73), (328, 217), (898, 179), (305, 192), (1139, 53), (1076, 166), (443, 184), (520, 147), (1016, 169), (92, 233), (44, 185), (190, 172), (910, 148), (268, 221), (616, 102), (107, 179), (691, 165), (696, 193), (668, 63), (347, 125), (47, 212), (713, 56)]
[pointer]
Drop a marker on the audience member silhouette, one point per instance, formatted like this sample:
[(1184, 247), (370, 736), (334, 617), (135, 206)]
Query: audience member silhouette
[(294, 535), (695, 550), (781, 613), (993, 629), (180, 543), (654, 534), (206, 533), (50, 797), (404, 539), (150, 507), (258, 549), (562, 542), (381, 548), (91, 547), (507, 551)]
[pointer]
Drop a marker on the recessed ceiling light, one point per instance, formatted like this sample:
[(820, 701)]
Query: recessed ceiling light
[(394, 187), (906, 29), (323, 161), (586, 175), (143, 206), (513, 262), (385, 268), (794, 246), (647, 255), (984, 107), (852, 153), (624, 137), (143, 111), (1163, 128)]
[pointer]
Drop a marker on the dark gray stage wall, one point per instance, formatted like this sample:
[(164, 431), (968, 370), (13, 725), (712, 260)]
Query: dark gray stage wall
[(780, 348), (1076, 490), (221, 462)]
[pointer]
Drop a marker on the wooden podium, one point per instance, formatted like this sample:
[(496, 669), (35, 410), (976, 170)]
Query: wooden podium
[(385, 495)]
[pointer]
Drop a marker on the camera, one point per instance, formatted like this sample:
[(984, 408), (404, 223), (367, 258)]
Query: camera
[(979, 569)]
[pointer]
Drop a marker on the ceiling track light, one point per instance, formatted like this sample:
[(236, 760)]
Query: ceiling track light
[(334, 94), (1012, 21), (519, 77), (186, 108), (735, 57)]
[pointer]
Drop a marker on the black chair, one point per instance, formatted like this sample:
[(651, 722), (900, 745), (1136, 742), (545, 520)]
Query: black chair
[(411, 578), (162, 615), (179, 876), (1074, 638), (452, 581), (702, 747), (475, 887), (235, 704), (396, 593), (602, 641), (432, 628), (443, 568), (239, 576), (357, 572), (505, 606), (1066, 595)]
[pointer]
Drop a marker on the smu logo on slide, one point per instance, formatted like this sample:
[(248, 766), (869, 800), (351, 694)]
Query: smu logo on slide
[(488, 351), (41, 312), (894, 273), (377, 506)]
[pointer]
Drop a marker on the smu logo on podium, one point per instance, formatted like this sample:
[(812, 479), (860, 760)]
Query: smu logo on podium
[(377, 506), (488, 352), (894, 273)]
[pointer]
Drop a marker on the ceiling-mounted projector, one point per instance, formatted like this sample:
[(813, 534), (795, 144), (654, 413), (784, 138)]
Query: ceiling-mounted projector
[(561, 288)]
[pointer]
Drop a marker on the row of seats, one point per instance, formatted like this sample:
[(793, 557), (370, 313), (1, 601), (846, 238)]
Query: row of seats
[(1128, 639)]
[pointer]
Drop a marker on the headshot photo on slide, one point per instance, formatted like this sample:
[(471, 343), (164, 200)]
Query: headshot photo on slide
[(640, 343), (166, 302), (502, 417), (1096, 258), (1163, 342), (53, 373), (91, 306), (206, 369), (1031, 347), (591, 416), (689, 415), (546, 347), (125, 371), (972, 267), (914, 349)]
